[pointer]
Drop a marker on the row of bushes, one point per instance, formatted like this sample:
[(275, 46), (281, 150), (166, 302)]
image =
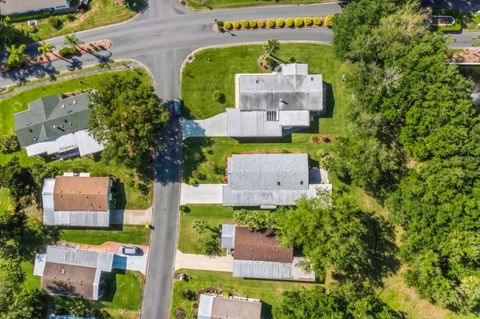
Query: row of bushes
[(276, 23)]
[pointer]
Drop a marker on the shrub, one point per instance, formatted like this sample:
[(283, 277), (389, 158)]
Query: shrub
[(71, 17), (299, 22), (227, 25), (308, 21), (329, 21), (180, 313), (317, 21), (289, 22), (32, 29), (192, 181), (253, 24), (236, 25), (219, 23), (55, 22), (67, 51), (188, 294), (261, 24), (9, 144), (219, 96), (245, 24), (199, 175), (184, 209), (270, 23), (280, 23)]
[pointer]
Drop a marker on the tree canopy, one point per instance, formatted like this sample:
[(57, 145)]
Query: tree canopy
[(128, 118)]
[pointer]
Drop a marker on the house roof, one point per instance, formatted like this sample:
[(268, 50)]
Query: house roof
[(77, 193), (19, 6), (68, 280), (259, 246), (51, 117), (79, 257), (217, 307), (291, 89), (268, 172)]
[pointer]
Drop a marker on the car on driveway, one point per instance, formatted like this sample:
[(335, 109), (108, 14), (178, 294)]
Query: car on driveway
[(130, 250)]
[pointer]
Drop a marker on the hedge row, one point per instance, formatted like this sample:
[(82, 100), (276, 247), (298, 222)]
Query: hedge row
[(276, 23)]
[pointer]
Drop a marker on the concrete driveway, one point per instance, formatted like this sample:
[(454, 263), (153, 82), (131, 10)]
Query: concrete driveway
[(131, 216), (214, 126), (201, 194), (202, 262)]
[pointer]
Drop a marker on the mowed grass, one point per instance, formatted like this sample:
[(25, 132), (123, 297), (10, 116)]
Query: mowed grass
[(5, 200), (218, 4), (124, 291), (129, 194), (137, 235), (268, 291), (215, 69), (189, 240), (100, 13)]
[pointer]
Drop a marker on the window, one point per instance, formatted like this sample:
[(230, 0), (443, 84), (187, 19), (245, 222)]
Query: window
[(272, 116)]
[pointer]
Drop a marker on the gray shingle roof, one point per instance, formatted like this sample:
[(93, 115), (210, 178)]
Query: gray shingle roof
[(268, 172), (281, 91), (51, 117), (20, 6)]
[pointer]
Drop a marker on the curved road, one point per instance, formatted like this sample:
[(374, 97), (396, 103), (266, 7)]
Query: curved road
[(161, 37)]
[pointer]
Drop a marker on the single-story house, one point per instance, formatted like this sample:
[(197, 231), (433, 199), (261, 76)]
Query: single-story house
[(74, 272), (11, 7), (258, 255), (270, 180), (267, 105), (218, 307), (77, 201), (56, 127)]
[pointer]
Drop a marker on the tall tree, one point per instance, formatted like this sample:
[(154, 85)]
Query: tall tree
[(128, 118), (17, 56), (45, 48)]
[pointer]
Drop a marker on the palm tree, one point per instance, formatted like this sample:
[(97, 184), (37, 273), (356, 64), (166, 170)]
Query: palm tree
[(271, 46), (72, 40), (16, 56), (45, 49)]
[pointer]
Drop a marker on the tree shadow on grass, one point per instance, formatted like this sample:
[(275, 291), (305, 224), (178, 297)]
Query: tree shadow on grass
[(329, 100), (266, 311), (193, 154)]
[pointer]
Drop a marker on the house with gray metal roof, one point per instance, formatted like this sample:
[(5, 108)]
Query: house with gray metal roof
[(258, 255), (270, 180), (77, 201), (74, 272), (12, 7), (56, 127), (219, 307), (269, 105)]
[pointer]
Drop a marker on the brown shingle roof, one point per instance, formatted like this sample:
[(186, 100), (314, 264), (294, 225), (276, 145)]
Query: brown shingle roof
[(260, 246), (68, 280), (75, 193)]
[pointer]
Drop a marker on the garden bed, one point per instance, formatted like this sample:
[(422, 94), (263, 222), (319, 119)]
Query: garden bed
[(81, 49), (280, 23)]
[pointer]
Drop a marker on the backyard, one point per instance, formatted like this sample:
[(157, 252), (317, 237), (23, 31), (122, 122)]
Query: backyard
[(129, 185), (265, 290), (100, 13), (137, 235), (218, 4)]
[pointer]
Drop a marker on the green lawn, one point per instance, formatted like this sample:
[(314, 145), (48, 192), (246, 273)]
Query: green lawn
[(101, 12), (138, 235), (124, 291), (189, 241), (31, 281), (201, 78), (266, 290), (218, 4), (128, 194), (5, 201)]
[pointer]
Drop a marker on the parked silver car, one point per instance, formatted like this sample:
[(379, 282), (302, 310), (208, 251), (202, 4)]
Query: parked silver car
[(130, 250)]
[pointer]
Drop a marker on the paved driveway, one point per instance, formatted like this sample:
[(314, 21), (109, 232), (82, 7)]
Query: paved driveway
[(202, 262), (131, 216), (201, 194), (214, 126)]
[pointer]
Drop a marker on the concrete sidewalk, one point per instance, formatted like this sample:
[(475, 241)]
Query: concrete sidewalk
[(201, 194), (202, 262), (214, 126)]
